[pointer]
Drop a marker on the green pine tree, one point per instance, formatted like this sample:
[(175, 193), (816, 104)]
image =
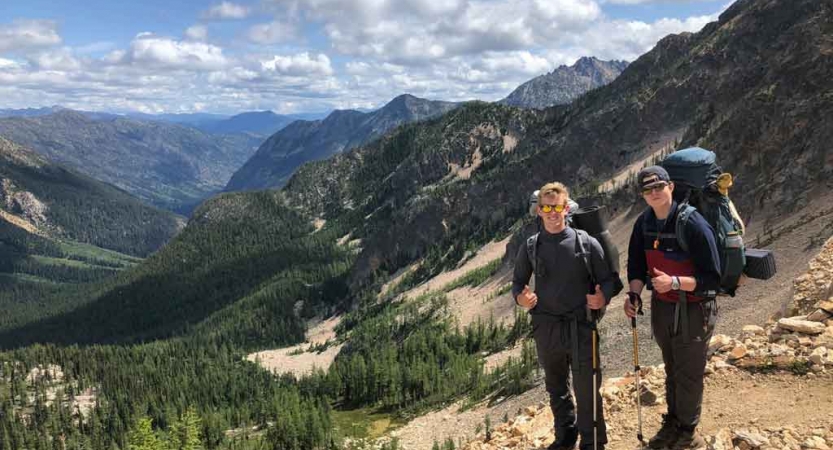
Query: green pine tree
[(142, 437), (185, 432)]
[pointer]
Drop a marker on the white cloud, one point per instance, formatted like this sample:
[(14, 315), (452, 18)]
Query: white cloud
[(227, 10), (27, 34), (637, 2), (299, 65), (197, 32), (163, 52), (620, 39), (415, 32), (60, 60), (271, 33), (95, 47), (8, 64), (373, 50)]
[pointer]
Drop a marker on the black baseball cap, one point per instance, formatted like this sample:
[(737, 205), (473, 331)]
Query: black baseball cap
[(651, 176)]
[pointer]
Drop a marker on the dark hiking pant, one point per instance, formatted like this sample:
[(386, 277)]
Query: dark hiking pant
[(560, 354), (685, 362)]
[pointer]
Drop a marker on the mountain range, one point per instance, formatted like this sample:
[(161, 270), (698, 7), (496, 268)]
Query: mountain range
[(302, 141), (361, 236), (430, 191), (167, 165), (60, 229), (47, 200), (565, 84)]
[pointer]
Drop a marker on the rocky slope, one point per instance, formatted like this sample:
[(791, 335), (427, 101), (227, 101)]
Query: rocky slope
[(751, 86), (50, 201), (565, 84), (168, 165), (302, 141)]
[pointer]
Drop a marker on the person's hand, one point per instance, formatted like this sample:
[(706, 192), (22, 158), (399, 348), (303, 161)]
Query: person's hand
[(661, 281), (630, 304), (597, 300), (527, 298)]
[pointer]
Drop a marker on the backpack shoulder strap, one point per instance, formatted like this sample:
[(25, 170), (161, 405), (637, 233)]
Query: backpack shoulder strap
[(683, 214), (581, 248), (532, 250)]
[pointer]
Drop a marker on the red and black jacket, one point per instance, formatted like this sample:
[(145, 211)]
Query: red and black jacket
[(654, 247)]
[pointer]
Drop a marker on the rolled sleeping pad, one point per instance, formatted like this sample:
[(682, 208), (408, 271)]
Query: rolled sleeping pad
[(760, 264), (592, 220)]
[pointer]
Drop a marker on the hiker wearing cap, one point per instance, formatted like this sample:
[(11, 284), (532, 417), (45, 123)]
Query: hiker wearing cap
[(683, 311), (558, 307)]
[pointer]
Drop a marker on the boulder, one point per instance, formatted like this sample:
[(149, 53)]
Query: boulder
[(818, 356), (778, 349), (824, 311), (718, 341), (748, 440), (799, 324), (738, 352), (753, 330)]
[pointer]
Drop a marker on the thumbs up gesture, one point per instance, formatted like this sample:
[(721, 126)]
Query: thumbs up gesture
[(527, 298), (661, 281), (596, 300)]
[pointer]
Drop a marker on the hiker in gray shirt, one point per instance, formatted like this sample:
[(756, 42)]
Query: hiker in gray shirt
[(558, 307)]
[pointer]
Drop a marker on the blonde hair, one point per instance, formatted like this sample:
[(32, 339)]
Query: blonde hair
[(554, 188)]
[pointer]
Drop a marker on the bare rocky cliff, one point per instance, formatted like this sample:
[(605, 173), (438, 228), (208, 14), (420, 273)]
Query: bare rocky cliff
[(565, 83)]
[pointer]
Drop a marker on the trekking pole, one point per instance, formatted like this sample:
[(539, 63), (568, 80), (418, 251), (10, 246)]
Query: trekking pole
[(593, 316), (636, 300)]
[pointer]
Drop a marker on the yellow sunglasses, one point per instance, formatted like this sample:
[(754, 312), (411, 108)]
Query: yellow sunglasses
[(546, 209)]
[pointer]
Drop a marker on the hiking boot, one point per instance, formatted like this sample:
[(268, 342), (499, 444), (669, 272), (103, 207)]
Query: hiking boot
[(590, 447), (559, 446), (564, 440), (688, 440), (666, 435)]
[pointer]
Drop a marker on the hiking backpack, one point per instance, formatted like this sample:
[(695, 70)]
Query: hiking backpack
[(701, 185)]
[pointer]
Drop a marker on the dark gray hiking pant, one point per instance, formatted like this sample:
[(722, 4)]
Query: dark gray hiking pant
[(556, 348), (685, 362)]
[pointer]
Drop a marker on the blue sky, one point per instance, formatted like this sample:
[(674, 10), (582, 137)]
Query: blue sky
[(309, 55)]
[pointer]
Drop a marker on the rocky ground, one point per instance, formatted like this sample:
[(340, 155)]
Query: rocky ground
[(768, 389)]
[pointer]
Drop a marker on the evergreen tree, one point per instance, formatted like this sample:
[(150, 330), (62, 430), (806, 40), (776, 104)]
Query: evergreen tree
[(185, 432), (142, 436)]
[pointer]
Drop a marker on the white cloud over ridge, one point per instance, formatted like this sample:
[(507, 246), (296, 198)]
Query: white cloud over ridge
[(299, 65), (227, 10), (197, 32), (271, 33), (150, 50), (22, 35), (362, 54)]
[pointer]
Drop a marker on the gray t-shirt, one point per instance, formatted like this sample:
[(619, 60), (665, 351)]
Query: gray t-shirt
[(562, 282)]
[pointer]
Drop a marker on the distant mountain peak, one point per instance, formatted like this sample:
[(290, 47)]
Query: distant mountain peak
[(565, 83), (303, 141)]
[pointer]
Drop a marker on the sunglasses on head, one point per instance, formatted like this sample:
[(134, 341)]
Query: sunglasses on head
[(546, 209), (656, 187)]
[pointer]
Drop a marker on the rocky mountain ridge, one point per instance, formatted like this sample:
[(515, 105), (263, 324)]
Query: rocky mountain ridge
[(760, 107), (565, 83), (302, 141)]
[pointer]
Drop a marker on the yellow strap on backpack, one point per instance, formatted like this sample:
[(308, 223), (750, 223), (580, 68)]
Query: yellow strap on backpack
[(724, 182)]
